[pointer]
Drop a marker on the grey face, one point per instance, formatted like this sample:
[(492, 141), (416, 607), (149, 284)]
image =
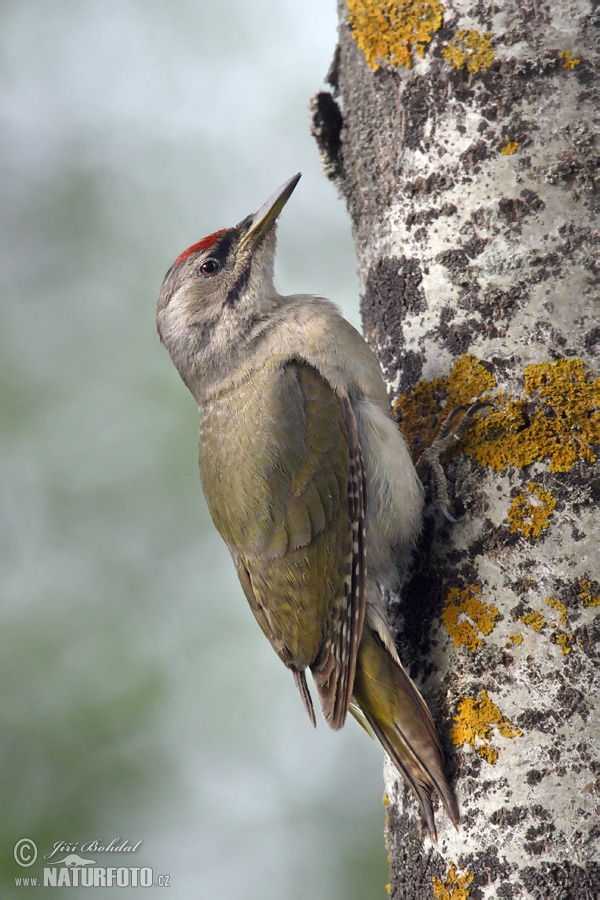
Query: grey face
[(218, 292)]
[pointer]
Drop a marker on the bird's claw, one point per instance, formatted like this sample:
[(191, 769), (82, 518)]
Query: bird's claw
[(448, 515), (429, 459)]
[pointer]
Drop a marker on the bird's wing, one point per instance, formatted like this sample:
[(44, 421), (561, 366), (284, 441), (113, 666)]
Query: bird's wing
[(284, 481)]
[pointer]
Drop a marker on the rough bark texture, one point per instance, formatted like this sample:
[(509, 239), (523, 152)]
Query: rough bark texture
[(460, 136)]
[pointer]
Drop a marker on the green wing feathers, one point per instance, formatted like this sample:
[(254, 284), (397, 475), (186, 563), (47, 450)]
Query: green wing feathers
[(287, 495)]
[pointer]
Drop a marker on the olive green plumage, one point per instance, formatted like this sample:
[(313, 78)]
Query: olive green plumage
[(279, 494), (307, 480)]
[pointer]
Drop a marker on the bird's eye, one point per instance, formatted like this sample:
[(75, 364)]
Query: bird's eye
[(209, 267)]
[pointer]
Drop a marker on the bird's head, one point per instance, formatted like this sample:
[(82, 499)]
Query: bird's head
[(220, 288)]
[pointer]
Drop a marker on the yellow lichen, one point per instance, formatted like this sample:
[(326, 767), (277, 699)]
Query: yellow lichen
[(516, 638), (387, 31), (419, 411), (510, 147), (529, 513), (471, 48), (564, 641), (466, 603), (473, 724), (557, 417), (456, 885), (468, 380), (588, 598), (534, 620), (561, 609), (569, 62)]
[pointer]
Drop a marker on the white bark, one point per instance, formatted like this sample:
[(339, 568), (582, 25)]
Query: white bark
[(470, 194)]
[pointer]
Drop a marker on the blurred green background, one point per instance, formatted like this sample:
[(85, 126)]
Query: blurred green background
[(139, 698)]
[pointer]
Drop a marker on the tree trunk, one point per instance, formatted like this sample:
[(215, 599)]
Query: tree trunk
[(460, 137)]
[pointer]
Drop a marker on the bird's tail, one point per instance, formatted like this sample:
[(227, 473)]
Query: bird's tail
[(400, 719)]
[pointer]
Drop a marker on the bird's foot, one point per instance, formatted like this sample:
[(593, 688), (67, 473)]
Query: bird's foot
[(448, 436)]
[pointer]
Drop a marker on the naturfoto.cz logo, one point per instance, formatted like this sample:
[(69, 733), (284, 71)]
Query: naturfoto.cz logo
[(75, 870)]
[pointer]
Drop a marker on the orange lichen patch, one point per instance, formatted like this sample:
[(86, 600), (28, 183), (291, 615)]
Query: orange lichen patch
[(385, 800), (529, 513), (556, 418), (473, 49), (564, 641), (534, 620), (474, 722), (510, 147), (561, 609), (569, 62), (456, 885), (387, 31), (588, 597), (560, 427), (516, 638), (468, 380), (571, 418), (419, 411), (460, 606)]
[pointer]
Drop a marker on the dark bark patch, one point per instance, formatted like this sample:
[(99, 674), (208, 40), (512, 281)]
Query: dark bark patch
[(509, 208), (508, 818), (411, 369), (545, 266), (410, 866), (572, 702), (421, 605), (531, 200), (447, 314), (534, 832), (326, 128), (474, 247), (474, 154), (426, 216), (489, 870), (493, 303), (592, 339), (534, 776), (535, 720), (454, 260), (434, 183), (458, 338), (587, 638), (540, 812), (561, 881), (513, 210), (393, 292), (333, 75), (395, 283)]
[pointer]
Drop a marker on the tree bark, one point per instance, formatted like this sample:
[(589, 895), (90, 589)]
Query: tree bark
[(460, 138)]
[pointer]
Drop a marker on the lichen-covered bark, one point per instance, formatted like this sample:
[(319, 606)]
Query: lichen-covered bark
[(460, 135)]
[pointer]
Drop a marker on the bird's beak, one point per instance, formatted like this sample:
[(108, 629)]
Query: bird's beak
[(262, 220)]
